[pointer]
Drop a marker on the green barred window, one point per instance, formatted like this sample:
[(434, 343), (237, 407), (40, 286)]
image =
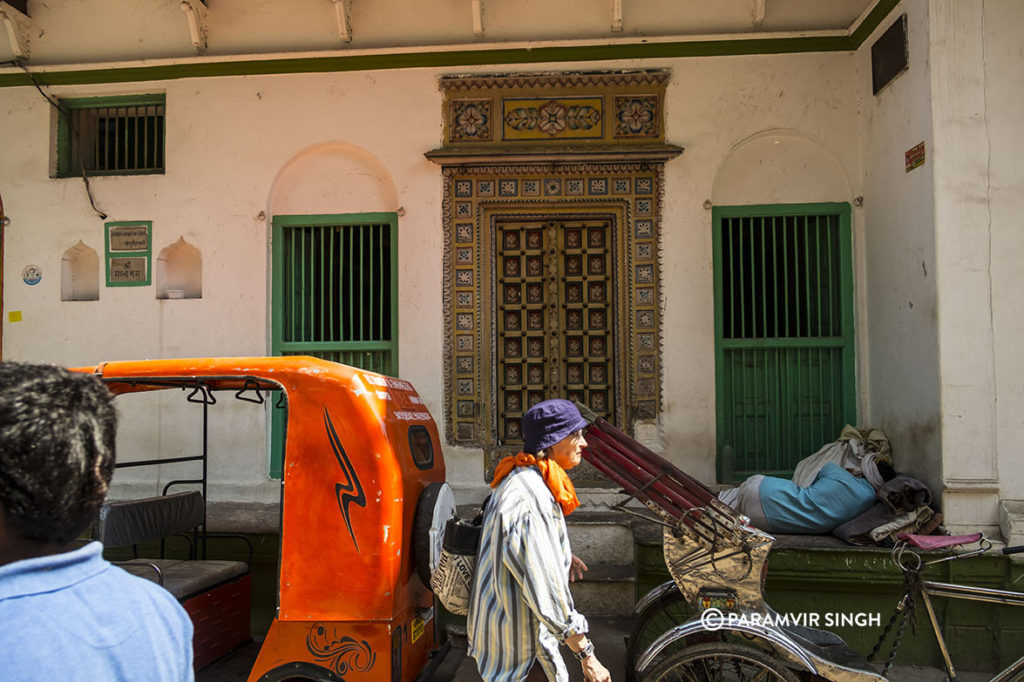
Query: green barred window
[(785, 379), (335, 285), (111, 135)]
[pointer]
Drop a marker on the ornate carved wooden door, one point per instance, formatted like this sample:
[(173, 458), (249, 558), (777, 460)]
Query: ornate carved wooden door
[(554, 317)]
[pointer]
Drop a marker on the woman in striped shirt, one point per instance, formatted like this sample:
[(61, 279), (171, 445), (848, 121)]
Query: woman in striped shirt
[(521, 609)]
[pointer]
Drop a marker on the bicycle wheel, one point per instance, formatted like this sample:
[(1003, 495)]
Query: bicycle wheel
[(665, 612), (720, 662)]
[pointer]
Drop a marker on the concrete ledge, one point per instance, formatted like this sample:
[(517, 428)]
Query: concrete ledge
[(1011, 522), (243, 517)]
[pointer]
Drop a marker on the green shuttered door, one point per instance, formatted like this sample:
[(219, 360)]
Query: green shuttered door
[(335, 293), (784, 334)]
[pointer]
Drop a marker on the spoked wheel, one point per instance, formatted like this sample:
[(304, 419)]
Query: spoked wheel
[(719, 662), (665, 612)]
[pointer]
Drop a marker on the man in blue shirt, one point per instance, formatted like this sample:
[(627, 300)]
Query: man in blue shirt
[(779, 505), (65, 612)]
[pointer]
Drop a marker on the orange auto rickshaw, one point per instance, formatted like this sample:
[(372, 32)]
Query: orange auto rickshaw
[(363, 506)]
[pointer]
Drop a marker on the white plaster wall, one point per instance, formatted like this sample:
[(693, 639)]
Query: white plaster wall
[(1004, 70), (898, 268), (235, 147), (963, 236), (728, 112)]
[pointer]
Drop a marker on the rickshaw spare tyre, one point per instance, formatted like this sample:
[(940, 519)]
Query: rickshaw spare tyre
[(435, 506)]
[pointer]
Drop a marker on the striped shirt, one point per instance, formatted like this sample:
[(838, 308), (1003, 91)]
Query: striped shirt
[(521, 608)]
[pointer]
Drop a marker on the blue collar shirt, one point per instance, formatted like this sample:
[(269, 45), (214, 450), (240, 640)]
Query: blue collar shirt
[(74, 616)]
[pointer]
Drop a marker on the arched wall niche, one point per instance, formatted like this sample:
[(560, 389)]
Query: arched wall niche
[(80, 274), (333, 177), (780, 167), (179, 271)]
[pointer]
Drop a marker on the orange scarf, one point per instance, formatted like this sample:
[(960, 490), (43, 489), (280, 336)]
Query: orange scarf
[(557, 481)]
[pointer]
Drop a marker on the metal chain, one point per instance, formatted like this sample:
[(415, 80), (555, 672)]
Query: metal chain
[(906, 609)]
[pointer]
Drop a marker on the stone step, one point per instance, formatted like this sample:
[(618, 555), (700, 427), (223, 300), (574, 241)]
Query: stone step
[(604, 541), (606, 590), (601, 537)]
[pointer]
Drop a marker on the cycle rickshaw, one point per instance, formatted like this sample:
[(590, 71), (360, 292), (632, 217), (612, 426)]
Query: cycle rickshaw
[(711, 622)]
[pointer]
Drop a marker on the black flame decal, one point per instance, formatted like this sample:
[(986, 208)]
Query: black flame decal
[(350, 491)]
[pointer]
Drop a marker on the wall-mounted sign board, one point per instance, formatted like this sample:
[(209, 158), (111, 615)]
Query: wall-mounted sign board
[(914, 156), (129, 253)]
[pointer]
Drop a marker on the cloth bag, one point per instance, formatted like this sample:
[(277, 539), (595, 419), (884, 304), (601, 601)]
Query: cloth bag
[(452, 581), (848, 451)]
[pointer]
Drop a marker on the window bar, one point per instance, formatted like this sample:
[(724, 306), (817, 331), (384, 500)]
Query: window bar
[(120, 148), (780, 404), (817, 273), (776, 331), (764, 285), (147, 117), (360, 289), (334, 292), (743, 403), (749, 246), (101, 140), (349, 336), (158, 140), (139, 142), (360, 286), (819, 407), (299, 279), (807, 279), (785, 277), (304, 291), (729, 277), (380, 282), (833, 289), (377, 284), (386, 332), (740, 242), (289, 283), (733, 409)]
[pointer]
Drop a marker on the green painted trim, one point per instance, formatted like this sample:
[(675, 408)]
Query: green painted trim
[(846, 283), (462, 58), (872, 21), (140, 100), (720, 404)]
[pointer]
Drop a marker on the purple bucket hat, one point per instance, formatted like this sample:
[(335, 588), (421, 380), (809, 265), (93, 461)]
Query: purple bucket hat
[(548, 422)]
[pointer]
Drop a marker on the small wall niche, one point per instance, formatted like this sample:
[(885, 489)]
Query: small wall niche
[(179, 271), (80, 274)]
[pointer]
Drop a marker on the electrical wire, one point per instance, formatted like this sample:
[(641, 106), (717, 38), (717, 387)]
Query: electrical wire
[(74, 133)]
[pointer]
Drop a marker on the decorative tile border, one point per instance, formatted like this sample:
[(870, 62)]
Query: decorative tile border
[(580, 189), (599, 109)]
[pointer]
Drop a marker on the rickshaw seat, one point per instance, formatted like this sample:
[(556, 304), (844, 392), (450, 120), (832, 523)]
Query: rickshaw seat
[(938, 541), (216, 594), (132, 522)]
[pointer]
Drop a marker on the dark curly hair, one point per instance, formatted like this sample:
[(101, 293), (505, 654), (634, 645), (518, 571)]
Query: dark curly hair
[(57, 433)]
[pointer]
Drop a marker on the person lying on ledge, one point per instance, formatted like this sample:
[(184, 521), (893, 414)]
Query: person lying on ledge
[(778, 505)]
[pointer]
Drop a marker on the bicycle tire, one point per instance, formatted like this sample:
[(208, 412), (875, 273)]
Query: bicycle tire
[(720, 662), (664, 613)]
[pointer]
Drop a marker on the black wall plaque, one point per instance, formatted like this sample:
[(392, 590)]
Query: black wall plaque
[(889, 55)]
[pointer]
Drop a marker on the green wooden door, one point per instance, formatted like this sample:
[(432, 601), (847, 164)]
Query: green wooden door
[(335, 294), (784, 346)]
